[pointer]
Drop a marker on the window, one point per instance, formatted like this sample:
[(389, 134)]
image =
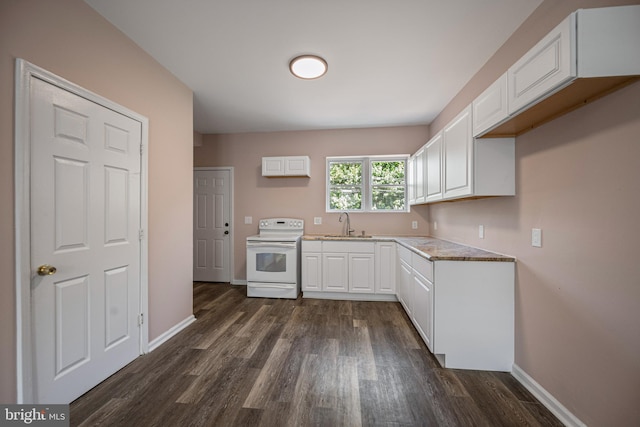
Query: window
[(367, 184)]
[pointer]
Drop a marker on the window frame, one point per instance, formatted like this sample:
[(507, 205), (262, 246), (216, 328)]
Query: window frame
[(367, 186)]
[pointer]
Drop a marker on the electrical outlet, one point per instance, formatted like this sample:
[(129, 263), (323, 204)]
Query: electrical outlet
[(317, 220), (248, 220), (536, 237), (414, 225), (481, 231)]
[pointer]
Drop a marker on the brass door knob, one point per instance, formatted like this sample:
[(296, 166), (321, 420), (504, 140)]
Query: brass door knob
[(46, 270)]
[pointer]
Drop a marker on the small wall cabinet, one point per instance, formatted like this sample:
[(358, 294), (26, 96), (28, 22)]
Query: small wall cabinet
[(286, 166)]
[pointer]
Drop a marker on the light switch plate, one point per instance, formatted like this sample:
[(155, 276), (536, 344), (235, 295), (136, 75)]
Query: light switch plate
[(248, 220), (317, 220), (481, 231), (435, 225), (536, 237)]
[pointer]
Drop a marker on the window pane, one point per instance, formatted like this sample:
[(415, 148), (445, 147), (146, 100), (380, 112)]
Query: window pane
[(387, 172), (387, 198), (345, 173), (345, 199)]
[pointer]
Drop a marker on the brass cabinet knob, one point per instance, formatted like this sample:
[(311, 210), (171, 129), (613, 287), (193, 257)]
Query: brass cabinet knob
[(46, 270)]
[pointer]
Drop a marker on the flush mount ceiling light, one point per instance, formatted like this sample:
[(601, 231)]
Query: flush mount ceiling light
[(308, 67)]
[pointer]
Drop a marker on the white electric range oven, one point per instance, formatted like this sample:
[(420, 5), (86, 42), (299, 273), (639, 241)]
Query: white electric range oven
[(273, 259)]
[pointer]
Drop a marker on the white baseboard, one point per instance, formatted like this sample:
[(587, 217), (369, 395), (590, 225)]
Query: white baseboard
[(546, 398), (171, 333)]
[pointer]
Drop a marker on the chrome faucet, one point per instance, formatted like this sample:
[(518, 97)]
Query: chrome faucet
[(349, 230)]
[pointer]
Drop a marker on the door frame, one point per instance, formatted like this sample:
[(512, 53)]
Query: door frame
[(24, 73), (232, 233)]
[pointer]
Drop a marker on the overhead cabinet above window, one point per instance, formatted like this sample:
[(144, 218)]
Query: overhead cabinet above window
[(288, 166), (588, 55)]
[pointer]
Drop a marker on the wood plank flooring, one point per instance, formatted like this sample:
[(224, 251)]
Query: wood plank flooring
[(305, 362)]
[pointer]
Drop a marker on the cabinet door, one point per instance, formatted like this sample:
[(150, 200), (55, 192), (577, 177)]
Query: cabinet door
[(433, 151), (546, 68), (411, 180), (311, 271), (335, 272), (420, 168), (361, 273), (272, 166), (423, 308), (296, 166), (385, 263), (490, 108), (458, 156), (404, 291)]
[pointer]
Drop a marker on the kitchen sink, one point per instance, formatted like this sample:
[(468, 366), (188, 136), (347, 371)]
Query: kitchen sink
[(354, 236)]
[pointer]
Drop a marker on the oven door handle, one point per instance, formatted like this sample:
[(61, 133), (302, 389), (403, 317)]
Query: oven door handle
[(291, 245)]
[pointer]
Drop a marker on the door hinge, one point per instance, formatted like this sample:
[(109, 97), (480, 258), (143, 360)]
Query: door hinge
[(141, 148), (140, 319), (140, 234)]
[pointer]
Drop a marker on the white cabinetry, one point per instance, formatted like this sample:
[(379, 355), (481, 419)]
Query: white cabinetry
[(411, 180), (348, 269), (490, 108), (458, 156), (286, 166), (433, 182), (361, 272), (404, 286), (463, 310), (590, 53), (549, 65), (385, 268), (311, 269), (335, 267), (420, 172), (423, 289)]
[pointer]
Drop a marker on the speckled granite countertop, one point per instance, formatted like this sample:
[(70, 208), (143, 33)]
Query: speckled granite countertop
[(429, 247)]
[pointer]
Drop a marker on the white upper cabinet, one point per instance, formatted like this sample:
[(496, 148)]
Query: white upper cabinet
[(411, 180), (490, 108), (286, 166), (419, 171), (589, 54), (433, 150), (548, 66), (457, 143)]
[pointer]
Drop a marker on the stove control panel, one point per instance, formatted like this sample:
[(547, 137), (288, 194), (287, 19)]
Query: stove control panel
[(281, 224)]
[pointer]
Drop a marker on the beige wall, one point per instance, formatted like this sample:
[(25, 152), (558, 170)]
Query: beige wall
[(69, 39), (577, 297), (261, 197)]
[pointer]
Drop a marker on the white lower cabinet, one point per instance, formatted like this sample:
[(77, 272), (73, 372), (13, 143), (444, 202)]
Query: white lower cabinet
[(335, 272), (422, 314), (463, 310), (385, 268), (344, 269)]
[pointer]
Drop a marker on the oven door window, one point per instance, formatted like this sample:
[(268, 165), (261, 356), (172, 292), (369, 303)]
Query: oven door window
[(271, 262)]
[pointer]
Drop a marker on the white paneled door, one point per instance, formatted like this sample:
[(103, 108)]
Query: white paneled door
[(211, 225), (85, 242)]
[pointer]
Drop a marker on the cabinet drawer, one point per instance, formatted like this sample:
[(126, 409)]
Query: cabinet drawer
[(361, 247), (404, 254), (422, 266), (311, 246)]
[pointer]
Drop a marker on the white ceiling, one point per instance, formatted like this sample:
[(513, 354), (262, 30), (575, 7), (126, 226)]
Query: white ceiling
[(391, 62)]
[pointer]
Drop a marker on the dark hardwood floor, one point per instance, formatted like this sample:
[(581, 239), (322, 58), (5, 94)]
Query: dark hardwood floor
[(268, 362)]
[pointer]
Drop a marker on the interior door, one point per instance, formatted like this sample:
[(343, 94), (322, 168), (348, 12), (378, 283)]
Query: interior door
[(85, 247), (211, 225)]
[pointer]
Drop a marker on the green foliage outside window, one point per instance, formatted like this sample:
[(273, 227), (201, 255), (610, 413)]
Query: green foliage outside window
[(386, 185)]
